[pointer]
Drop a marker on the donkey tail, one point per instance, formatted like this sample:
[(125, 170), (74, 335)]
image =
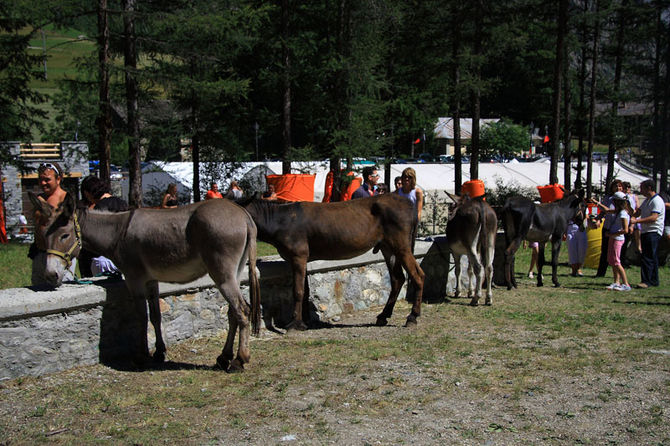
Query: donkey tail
[(254, 285)]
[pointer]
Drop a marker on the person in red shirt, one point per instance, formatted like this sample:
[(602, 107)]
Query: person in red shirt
[(213, 192)]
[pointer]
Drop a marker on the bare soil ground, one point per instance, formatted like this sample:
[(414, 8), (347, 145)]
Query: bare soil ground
[(577, 365)]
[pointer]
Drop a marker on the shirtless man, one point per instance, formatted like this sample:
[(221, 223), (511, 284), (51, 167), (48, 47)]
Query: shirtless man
[(49, 175)]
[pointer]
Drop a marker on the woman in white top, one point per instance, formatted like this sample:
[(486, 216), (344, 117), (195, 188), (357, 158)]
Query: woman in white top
[(410, 190), (615, 236)]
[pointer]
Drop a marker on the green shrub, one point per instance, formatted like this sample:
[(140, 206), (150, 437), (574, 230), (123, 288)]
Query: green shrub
[(502, 191)]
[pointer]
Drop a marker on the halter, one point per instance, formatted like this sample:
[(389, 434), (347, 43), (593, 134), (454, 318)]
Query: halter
[(67, 256)]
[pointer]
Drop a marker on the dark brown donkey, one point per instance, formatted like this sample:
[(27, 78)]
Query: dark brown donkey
[(306, 231), (471, 231), (214, 237), (522, 220)]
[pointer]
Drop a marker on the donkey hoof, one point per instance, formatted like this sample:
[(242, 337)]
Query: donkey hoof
[(222, 363), (488, 302), (557, 285), (296, 325), (411, 321), (235, 367), (474, 303), (159, 357), (381, 321)]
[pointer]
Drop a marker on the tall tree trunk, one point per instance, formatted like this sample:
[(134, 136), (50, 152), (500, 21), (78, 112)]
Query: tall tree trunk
[(592, 103), (458, 159), (342, 43), (336, 192), (618, 60), (663, 154), (195, 155), (286, 101), (656, 130), (455, 50), (195, 138), (554, 134), (581, 120), (567, 133), (130, 62), (476, 93), (104, 120)]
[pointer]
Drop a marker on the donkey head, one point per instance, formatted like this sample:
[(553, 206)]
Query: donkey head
[(577, 206), (457, 202), (56, 232)]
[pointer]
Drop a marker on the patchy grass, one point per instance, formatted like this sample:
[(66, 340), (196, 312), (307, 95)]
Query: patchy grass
[(575, 365), (15, 266)]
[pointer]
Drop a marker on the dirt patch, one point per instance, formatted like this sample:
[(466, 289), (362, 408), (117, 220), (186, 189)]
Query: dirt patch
[(529, 370)]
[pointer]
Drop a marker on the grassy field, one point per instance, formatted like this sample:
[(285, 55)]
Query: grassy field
[(63, 47), (573, 365), (15, 266)]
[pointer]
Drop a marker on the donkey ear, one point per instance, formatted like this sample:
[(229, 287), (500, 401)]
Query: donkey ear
[(40, 205), (69, 205), (455, 198)]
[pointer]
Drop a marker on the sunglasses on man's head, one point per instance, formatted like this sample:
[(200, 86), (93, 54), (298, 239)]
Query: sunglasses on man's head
[(50, 166)]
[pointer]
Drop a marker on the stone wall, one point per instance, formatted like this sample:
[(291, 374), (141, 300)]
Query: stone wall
[(80, 324)]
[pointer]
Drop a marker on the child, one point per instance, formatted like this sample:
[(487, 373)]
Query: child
[(616, 232)]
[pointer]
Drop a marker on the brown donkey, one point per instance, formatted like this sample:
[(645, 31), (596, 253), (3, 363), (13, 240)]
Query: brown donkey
[(214, 237), (306, 231), (471, 231)]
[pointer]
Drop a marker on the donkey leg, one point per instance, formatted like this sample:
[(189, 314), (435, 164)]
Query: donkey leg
[(555, 251), (299, 273), (489, 274), (540, 264), (509, 263), (397, 280), (417, 276), (238, 319), (155, 317), (137, 290), (243, 350), (226, 356), (476, 276), (472, 288), (457, 274), (141, 351)]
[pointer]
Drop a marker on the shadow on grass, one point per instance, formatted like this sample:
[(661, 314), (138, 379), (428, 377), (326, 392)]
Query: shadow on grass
[(327, 325), (635, 302), (665, 303), (132, 366)]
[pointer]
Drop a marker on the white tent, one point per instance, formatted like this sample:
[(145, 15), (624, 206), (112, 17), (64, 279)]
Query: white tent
[(430, 177)]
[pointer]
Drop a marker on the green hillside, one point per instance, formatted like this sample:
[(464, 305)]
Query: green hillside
[(63, 49)]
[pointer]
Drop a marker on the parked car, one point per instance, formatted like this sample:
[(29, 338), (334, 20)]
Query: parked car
[(115, 173), (425, 158)]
